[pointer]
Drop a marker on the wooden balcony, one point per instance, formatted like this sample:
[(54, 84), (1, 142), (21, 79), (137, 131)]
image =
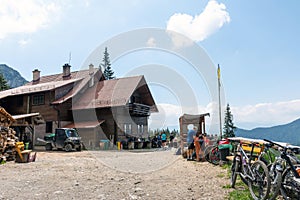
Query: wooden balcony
[(136, 109)]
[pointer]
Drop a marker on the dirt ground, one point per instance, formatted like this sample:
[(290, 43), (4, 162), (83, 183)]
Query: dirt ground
[(112, 175)]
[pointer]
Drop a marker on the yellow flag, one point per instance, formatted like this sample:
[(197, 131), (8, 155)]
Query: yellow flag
[(219, 72)]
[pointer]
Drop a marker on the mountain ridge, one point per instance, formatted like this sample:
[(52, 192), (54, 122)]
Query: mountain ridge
[(289, 132), (12, 76)]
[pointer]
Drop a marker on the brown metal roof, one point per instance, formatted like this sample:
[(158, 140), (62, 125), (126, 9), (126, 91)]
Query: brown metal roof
[(77, 87), (114, 92), (51, 82), (88, 124), (187, 118), (59, 77), (28, 89)]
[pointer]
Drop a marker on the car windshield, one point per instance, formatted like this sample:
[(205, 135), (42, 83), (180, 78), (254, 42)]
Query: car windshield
[(72, 133)]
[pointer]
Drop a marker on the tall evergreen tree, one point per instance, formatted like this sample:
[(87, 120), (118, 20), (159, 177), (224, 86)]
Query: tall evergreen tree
[(229, 128), (108, 72), (3, 83)]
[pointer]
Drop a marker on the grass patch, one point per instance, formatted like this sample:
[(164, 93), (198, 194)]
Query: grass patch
[(226, 166), (241, 190), (228, 186), (240, 195), (221, 175)]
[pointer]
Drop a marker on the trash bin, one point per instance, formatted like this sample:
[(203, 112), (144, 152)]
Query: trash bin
[(224, 151), (136, 145), (130, 145), (104, 144), (26, 146), (124, 144), (140, 145)]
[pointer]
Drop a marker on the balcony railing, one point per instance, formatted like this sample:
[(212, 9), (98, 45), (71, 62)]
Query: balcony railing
[(137, 109)]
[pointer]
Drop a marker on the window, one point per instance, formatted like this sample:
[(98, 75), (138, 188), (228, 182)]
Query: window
[(49, 128), (61, 135), (127, 128), (141, 129), (38, 99)]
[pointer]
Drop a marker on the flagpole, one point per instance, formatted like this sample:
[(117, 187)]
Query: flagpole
[(219, 86)]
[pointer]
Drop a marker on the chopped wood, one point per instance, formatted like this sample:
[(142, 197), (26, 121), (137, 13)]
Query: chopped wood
[(8, 137)]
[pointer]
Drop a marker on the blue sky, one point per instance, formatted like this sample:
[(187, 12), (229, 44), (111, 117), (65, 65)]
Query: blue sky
[(256, 43)]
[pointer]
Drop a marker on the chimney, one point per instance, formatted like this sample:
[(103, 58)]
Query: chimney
[(91, 69), (66, 71), (91, 72), (36, 76)]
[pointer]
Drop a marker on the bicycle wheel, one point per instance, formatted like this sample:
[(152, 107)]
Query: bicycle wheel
[(214, 155), (207, 151), (235, 166), (260, 186), (276, 179), (290, 186), (275, 175)]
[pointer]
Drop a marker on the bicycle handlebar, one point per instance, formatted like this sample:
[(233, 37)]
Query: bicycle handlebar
[(294, 149), (273, 143)]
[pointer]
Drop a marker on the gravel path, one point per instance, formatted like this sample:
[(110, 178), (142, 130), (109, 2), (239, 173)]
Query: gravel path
[(112, 175)]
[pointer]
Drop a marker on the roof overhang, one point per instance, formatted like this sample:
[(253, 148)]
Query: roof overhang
[(42, 87), (28, 119), (188, 117), (88, 124), (16, 117)]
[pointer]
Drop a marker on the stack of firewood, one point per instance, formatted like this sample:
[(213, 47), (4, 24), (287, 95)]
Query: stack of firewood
[(8, 137), (8, 141)]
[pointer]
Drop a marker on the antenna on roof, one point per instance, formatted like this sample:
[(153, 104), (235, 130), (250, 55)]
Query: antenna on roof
[(70, 56)]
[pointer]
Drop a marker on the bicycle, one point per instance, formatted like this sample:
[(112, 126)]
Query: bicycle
[(255, 174), (212, 152), (214, 155), (275, 164), (207, 152), (290, 184)]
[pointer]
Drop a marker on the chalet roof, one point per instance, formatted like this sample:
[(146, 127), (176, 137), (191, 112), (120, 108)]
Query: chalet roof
[(48, 83), (97, 73), (114, 92), (59, 77), (187, 118)]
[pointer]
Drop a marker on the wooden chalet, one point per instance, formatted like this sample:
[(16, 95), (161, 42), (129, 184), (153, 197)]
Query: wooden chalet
[(98, 108)]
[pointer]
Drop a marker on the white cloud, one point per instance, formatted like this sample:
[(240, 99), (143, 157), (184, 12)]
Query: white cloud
[(169, 114), (151, 42), (266, 114), (200, 26), (26, 16), (249, 116), (23, 42)]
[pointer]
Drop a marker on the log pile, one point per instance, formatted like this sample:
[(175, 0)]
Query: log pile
[(8, 137), (8, 141)]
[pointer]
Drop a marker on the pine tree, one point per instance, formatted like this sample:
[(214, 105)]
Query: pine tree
[(108, 72), (229, 128), (3, 83)]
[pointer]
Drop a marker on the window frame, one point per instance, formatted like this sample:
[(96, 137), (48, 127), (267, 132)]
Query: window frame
[(127, 128), (38, 99)]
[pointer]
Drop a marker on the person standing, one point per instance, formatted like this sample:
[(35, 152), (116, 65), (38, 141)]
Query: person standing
[(163, 139), (190, 142), (197, 146)]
